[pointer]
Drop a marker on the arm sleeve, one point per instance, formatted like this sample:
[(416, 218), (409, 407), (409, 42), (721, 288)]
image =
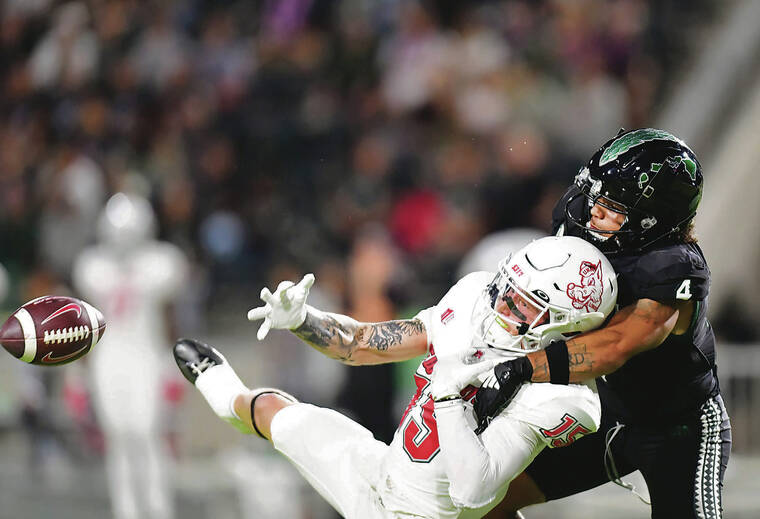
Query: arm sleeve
[(479, 466)]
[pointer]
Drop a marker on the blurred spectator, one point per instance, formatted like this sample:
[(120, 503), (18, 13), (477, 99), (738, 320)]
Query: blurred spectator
[(71, 191), (67, 55), (373, 269), (162, 53)]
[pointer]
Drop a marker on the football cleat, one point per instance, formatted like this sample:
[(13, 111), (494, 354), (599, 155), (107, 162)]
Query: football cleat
[(194, 357)]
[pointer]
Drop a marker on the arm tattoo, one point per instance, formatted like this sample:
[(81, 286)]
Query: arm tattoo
[(581, 361), (327, 334), (382, 336), (540, 367), (318, 332), (579, 357), (339, 339)]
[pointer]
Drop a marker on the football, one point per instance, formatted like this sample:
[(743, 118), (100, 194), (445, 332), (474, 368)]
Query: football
[(52, 330)]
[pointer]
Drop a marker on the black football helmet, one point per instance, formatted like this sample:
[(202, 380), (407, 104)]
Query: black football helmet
[(648, 175)]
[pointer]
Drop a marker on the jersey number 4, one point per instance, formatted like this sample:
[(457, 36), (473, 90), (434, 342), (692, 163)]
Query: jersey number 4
[(684, 291)]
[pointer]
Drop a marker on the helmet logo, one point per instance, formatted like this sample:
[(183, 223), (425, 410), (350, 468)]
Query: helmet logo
[(689, 165), (643, 179), (633, 139), (517, 270), (588, 294), (648, 223)]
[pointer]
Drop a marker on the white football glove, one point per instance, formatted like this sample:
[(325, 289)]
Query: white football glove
[(452, 373), (285, 309)]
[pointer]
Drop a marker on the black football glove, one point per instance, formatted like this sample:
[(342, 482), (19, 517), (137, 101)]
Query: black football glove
[(499, 389)]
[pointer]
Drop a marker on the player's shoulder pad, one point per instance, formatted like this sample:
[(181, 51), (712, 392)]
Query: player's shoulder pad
[(462, 295), (93, 257), (674, 272), (468, 287), (477, 279)]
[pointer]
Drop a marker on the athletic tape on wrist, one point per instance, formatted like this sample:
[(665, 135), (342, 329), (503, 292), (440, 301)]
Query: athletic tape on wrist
[(447, 398), (448, 402), (559, 363)]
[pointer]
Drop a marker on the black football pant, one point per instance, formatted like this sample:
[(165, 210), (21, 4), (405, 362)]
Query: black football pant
[(683, 462)]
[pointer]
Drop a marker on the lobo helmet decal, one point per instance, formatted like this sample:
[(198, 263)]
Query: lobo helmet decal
[(588, 294)]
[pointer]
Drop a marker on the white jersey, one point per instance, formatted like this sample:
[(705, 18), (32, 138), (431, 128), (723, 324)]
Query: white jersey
[(416, 462), (435, 467), (132, 290)]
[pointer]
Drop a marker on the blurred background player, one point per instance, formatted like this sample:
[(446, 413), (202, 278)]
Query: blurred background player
[(134, 278)]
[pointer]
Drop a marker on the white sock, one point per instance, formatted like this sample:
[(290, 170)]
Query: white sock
[(219, 385)]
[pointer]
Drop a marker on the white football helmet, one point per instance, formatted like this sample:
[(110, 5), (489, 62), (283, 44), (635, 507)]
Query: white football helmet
[(126, 221), (550, 288)]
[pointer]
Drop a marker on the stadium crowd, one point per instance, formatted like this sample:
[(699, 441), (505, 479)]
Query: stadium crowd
[(270, 135)]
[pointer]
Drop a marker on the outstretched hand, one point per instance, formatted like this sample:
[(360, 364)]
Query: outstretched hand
[(285, 309)]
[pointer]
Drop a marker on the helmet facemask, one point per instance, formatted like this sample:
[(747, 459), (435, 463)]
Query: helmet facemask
[(550, 289), (627, 237), (510, 318)]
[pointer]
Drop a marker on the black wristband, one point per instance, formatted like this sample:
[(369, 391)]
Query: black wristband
[(559, 362)]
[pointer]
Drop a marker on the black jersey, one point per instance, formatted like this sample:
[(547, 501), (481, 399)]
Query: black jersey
[(677, 376)]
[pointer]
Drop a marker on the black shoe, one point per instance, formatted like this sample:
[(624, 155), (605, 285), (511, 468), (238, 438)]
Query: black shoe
[(193, 358)]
